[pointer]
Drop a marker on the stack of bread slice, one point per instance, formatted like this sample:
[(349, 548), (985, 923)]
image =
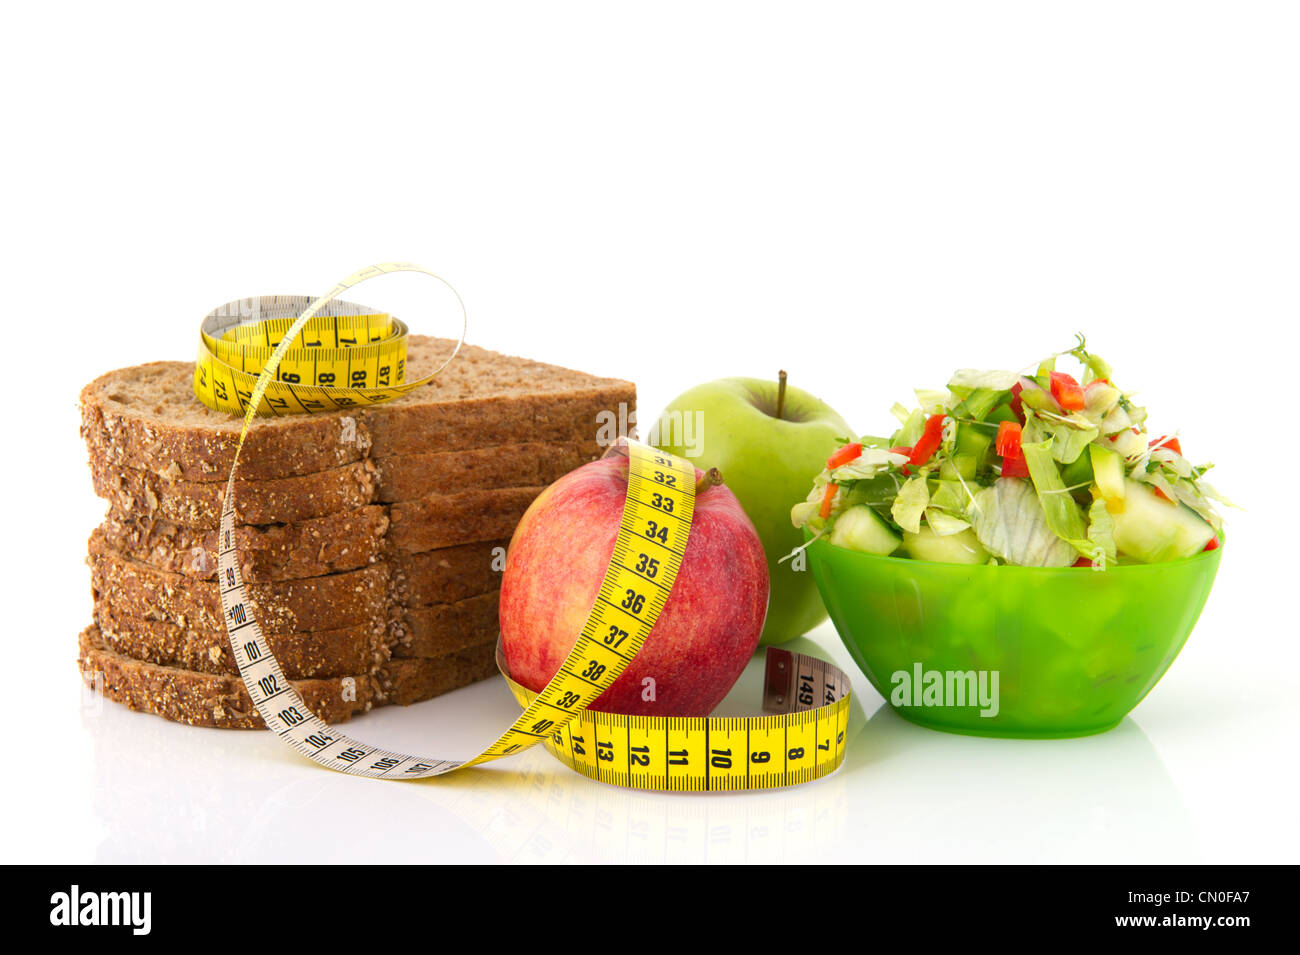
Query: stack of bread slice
[(371, 540)]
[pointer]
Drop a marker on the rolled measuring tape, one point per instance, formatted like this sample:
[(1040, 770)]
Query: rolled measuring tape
[(255, 350)]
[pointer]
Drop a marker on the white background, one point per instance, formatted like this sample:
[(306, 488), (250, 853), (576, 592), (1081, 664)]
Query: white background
[(868, 195)]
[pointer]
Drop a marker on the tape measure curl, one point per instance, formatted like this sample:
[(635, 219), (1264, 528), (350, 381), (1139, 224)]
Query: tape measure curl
[(263, 353), (319, 354)]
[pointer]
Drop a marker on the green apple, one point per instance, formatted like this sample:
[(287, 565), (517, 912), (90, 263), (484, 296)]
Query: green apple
[(769, 441)]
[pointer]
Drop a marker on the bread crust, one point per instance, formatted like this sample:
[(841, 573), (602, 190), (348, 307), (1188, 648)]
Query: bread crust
[(362, 648), (331, 544), (147, 417), (323, 545), (439, 629), (198, 505), (409, 477), (322, 494), (447, 574), (134, 589), (414, 633), (441, 520), (204, 699)]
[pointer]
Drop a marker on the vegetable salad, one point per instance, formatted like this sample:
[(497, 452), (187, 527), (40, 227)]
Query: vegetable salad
[(1040, 470)]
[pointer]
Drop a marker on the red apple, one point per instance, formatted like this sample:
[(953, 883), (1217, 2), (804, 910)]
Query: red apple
[(709, 626)]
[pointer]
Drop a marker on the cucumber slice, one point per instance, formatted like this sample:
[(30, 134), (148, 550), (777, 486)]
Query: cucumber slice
[(969, 455), (1150, 529), (860, 528), (979, 403), (973, 441), (1107, 471), (960, 548), (1039, 399)]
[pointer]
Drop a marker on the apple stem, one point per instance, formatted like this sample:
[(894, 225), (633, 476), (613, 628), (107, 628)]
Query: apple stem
[(780, 392), (711, 478)]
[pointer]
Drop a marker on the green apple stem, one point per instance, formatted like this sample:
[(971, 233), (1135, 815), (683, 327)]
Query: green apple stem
[(780, 392), (711, 478)]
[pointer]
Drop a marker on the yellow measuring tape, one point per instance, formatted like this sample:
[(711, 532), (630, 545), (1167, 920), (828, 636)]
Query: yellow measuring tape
[(342, 356), (245, 361)]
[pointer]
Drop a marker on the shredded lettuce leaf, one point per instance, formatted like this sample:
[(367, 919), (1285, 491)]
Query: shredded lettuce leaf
[(1010, 523), (1060, 511), (933, 401), (944, 524), (1067, 440), (910, 504), (950, 496), (971, 378), (1101, 534), (1214, 495), (1185, 492), (870, 463), (911, 431)]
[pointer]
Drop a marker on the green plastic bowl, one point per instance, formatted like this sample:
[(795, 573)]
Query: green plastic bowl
[(1073, 649)]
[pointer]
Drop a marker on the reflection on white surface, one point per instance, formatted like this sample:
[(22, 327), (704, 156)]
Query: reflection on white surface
[(169, 793), (1097, 798), (249, 798)]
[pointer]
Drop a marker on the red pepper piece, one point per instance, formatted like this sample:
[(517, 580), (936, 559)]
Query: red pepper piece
[(1007, 444), (827, 497), (850, 452), (1082, 562), (1017, 406), (929, 441), (1213, 544), (1164, 441), (1067, 392), (1008, 439), (1015, 466), (906, 452)]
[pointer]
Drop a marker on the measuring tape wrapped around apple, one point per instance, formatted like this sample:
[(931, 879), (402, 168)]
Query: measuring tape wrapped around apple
[(648, 501)]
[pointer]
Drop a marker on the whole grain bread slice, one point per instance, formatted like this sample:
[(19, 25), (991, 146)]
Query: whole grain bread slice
[(144, 495), (447, 574), (344, 541), (362, 648), (204, 699), (322, 545), (438, 629), (334, 601), (197, 504), (410, 477), (311, 549), (420, 632), (442, 520), (147, 417)]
